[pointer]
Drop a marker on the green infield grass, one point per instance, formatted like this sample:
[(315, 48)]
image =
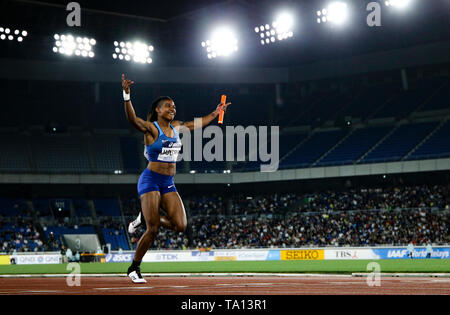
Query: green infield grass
[(319, 266)]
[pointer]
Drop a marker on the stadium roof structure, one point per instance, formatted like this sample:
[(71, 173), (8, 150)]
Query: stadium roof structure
[(177, 28)]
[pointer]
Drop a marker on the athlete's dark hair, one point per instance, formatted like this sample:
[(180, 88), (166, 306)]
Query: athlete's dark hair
[(153, 115)]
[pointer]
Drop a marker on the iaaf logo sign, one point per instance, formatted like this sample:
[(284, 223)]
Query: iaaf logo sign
[(397, 253), (403, 253)]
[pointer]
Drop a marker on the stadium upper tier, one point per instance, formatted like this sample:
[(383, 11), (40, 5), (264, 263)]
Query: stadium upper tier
[(320, 127), (67, 154)]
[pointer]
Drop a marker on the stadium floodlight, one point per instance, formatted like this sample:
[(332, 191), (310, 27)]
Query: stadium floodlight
[(133, 51), (223, 43), (280, 29), (69, 45), (336, 13), (399, 4), (6, 33)]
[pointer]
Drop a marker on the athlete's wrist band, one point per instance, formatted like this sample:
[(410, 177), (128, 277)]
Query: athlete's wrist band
[(126, 97)]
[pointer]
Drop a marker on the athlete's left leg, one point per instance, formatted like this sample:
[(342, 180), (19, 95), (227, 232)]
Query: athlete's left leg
[(176, 215), (164, 222)]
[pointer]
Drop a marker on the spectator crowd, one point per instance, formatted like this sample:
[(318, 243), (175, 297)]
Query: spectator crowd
[(363, 217), (22, 236), (354, 217), (351, 228)]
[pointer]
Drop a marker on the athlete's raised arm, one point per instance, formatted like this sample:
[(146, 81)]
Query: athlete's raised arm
[(137, 122), (206, 120)]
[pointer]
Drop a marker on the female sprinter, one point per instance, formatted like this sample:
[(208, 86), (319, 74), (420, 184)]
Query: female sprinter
[(156, 187)]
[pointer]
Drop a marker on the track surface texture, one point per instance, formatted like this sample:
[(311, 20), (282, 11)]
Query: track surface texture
[(327, 285)]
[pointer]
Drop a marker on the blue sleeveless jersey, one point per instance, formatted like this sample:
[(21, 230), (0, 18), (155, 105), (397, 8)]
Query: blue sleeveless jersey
[(164, 149)]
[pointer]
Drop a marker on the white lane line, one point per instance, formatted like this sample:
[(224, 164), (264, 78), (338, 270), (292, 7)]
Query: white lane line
[(124, 288), (109, 275), (345, 283), (41, 291), (245, 284)]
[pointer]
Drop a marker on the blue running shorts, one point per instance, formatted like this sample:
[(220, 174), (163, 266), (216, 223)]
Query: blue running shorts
[(152, 181)]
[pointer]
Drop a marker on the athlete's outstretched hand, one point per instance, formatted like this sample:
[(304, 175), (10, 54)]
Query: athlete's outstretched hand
[(126, 84), (217, 111)]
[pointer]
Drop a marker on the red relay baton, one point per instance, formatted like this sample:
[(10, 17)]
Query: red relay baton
[(223, 101)]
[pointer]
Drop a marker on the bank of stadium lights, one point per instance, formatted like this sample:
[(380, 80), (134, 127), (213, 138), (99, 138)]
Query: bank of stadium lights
[(138, 52), (69, 45), (8, 34), (223, 43), (399, 4), (280, 29), (336, 13)]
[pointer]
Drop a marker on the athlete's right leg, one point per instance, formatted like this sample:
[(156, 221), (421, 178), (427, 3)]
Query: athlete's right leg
[(150, 210), (150, 205)]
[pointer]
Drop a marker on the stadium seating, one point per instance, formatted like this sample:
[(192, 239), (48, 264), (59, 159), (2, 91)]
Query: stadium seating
[(13, 207), (309, 105), (205, 205), (402, 141), (440, 99), (131, 154), (42, 207), (324, 110), (437, 146), (15, 155), (19, 237), (294, 107), (404, 102), (318, 144), (131, 206), (81, 208), (107, 207), (286, 142), (115, 237), (202, 166), (366, 102), (60, 154), (106, 153), (353, 147)]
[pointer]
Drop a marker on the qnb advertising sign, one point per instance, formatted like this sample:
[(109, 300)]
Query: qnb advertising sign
[(37, 259)]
